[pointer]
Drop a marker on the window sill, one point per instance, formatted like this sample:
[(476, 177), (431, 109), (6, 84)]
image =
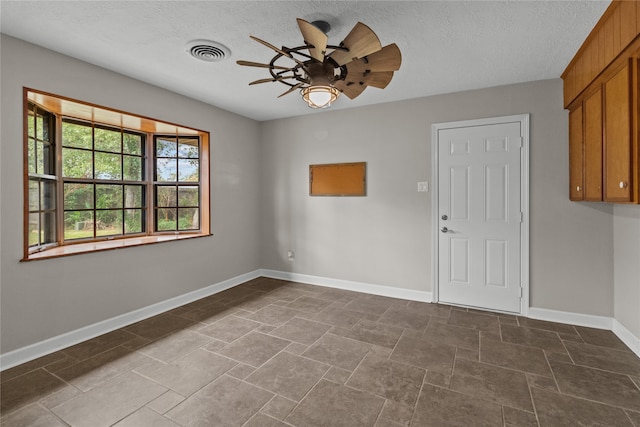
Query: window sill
[(83, 248)]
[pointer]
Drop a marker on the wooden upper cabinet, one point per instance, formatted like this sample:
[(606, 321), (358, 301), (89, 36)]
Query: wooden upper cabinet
[(576, 155), (618, 138), (593, 147)]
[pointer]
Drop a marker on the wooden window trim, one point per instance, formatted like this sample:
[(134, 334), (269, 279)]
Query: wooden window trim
[(70, 108)]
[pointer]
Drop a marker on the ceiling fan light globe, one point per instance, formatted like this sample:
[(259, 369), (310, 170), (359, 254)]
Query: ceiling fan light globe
[(320, 96)]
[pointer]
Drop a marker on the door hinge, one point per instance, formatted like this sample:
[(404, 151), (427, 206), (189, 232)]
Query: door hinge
[(521, 217)]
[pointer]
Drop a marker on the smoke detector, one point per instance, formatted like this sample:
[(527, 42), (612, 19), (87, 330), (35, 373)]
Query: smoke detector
[(208, 51)]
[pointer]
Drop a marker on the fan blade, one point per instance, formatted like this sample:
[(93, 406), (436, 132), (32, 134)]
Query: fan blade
[(271, 80), (379, 80), (351, 89), (258, 64), (270, 46), (312, 35), (361, 41), (387, 59), (291, 90)]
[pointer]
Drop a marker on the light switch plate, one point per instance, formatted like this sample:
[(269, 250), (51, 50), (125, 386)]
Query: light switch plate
[(423, 186)]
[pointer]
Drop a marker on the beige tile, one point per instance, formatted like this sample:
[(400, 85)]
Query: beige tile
[(337, 375), (241, 371), (424, 354), (438, 379), (189, 373), (209, 313), (545, 340), (369, 305), (262, 420), (338, 351), (309, 304), (555, 410), (601, 337), (33, 415), (158, 326), (405, 317), (373, 333), (301, 331), (27, 388), (430, 309), (94, 371), (124, 395), (634, 417), (455, 336), (296, 348), (145, 417), (386, 378), (225, 402), (32, 365), (498, 385), (514, 356), (165, 402), (99, 344), (339, 317), (593, 384), (60, 396), (279, 407), (547, 326), (175, 345), (477, 321), (288, 375), (441, 407), (273, 315), (254, 348), (330, 404), (230, 328), (608, 359), (338, 295), (518, 418), (544, 383), (397, 412)]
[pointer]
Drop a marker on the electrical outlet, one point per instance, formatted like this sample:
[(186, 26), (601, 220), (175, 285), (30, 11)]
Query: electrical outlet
[(291, 255), (423, 186)]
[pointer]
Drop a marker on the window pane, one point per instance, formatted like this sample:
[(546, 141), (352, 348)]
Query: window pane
[(39, 127), (132, 196), (40, 157), (166, 196), (188, 170), (108, 196), (76, 163), (78, 224), (188, 196), (78, 196), (166, 219), (31, 149), (34, 228), (108, 166), (109, 222), (107, 140), (132, 168), (188, 148), (48, 195), (49, 159), (34, 195), (166, 170), (75, 135), (132, 144), (166, 147), (188, 219), (133, 221), (48, 227), (31, 123)]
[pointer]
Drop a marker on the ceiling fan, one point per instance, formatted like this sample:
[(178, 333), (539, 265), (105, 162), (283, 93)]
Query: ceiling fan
[(322, 71)]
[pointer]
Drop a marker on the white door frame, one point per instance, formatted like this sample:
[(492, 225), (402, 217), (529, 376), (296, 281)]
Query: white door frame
[(523, 119)]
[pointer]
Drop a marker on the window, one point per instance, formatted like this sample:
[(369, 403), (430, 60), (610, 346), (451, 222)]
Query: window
[(95, 184)]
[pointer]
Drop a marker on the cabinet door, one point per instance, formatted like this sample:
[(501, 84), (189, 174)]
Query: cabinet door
[(593, 147), (576, 155), (617, 137)]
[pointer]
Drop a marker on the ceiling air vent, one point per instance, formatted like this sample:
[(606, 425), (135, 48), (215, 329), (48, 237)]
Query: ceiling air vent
[(207, 50)]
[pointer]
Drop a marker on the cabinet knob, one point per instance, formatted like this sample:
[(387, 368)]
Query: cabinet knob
[(578, 188), (623, 184)]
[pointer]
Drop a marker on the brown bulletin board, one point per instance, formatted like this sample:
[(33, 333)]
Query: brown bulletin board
[(338, 179)]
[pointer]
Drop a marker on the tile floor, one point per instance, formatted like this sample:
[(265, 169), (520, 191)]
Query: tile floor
[(271, 353)]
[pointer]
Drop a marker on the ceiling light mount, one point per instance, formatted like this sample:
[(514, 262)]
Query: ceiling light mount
[(207, 50)]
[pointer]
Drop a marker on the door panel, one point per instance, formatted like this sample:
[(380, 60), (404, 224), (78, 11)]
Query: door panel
[(479, 172)]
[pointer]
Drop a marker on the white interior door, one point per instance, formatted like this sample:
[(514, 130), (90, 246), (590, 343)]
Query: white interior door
[(480, 215)]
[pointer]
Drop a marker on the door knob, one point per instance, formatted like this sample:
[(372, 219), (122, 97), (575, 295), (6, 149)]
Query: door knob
[(623, 184), (444, 229), (445, 217)]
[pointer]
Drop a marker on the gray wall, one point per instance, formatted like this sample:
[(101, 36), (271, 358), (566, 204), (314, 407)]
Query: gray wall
[(626, 255), (384, 238), (42, 299)]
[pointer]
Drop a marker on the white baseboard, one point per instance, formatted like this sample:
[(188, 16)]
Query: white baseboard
[(385, 291), (42, 348), (50, 345)]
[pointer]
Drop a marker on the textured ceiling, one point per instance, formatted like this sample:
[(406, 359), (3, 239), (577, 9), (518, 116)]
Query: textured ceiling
[(447, 46)]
